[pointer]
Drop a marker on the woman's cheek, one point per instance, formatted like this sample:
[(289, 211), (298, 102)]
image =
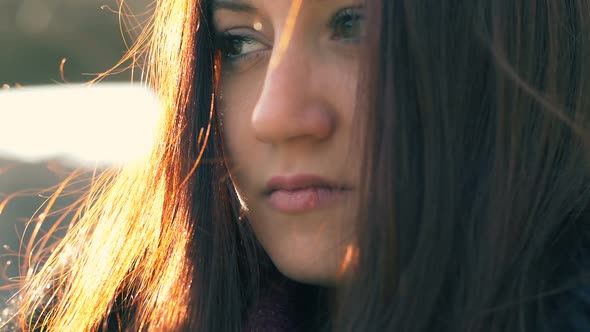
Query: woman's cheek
[(240, 144)]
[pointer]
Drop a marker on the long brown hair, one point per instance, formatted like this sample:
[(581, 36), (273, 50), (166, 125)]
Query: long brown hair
[(476, 213), (476, 173), (159, 247)]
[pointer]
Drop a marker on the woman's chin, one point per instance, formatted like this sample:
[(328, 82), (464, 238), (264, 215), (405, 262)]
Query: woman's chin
[(306, 266)]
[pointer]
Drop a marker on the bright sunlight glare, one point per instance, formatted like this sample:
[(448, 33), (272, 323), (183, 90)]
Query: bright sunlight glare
[(103, 123)]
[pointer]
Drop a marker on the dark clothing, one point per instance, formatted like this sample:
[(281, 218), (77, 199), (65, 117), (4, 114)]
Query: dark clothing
[(287, 306), (277, 312)]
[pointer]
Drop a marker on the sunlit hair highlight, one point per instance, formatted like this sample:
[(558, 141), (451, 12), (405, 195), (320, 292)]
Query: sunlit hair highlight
[(131, 242)]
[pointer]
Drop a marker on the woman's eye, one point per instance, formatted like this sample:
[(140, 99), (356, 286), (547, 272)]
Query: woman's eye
[(233, 47), (348, 25)]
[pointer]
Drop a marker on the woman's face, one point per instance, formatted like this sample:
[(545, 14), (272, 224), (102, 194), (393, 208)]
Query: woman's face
[(287, 101)]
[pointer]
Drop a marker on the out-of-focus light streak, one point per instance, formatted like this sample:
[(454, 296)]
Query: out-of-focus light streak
[(104, 123), (287, 33)]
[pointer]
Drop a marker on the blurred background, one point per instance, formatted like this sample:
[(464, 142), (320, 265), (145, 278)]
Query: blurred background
[(49, 125), (35, 35)]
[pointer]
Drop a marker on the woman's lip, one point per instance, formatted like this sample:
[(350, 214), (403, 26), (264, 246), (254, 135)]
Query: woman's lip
[(300, 181), (302, 193), (304, 200)]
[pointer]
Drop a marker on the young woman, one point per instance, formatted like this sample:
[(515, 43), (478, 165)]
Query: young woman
[(344, 165)]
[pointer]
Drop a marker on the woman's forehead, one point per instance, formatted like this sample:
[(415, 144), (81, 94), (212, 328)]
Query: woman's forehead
[(252, 5)]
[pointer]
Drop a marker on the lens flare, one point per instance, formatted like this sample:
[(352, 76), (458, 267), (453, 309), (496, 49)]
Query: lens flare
[(288, 33)]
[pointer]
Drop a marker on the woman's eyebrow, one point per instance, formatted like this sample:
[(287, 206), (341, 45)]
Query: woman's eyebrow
[(233, 5)]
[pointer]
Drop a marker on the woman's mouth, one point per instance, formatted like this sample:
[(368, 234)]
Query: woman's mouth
[(303, 193), (304, 200)]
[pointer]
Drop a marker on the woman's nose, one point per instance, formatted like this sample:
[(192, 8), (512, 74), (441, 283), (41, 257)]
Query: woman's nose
[(291, 105)]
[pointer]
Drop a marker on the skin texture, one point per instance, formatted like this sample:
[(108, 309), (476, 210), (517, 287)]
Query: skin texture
[(296, 116)]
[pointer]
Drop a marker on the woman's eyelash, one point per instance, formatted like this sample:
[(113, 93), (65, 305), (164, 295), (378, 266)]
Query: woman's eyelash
[(234, 46), (348, 24), (225, 41)]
